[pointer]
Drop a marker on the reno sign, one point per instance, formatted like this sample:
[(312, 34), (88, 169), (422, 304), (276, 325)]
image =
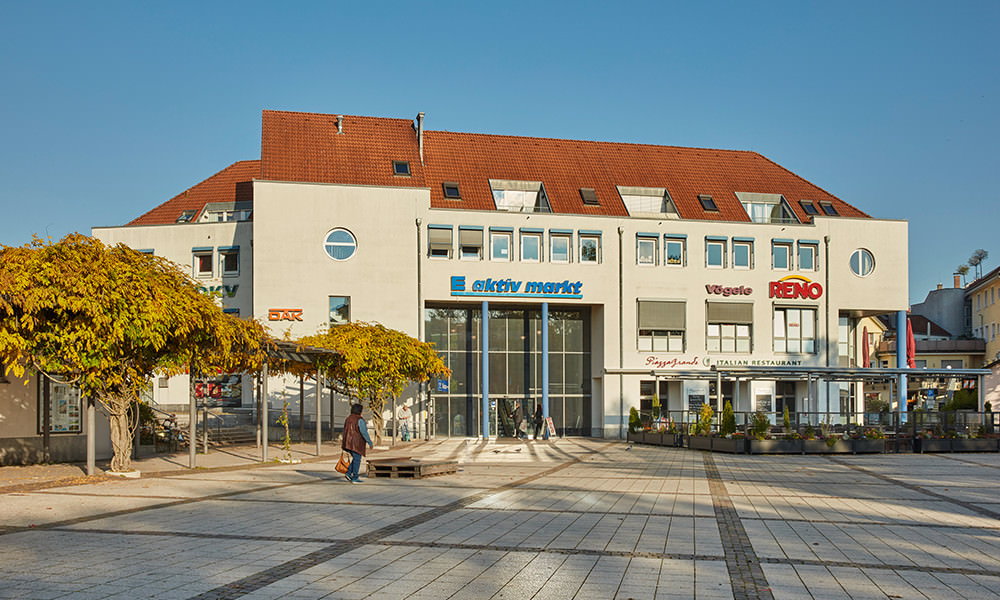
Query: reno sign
[(793, 287)]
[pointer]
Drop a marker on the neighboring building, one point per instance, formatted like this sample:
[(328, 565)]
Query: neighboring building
[(651, 264), (982, 298)]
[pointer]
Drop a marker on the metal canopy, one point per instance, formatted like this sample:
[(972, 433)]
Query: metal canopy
[(298, 353)]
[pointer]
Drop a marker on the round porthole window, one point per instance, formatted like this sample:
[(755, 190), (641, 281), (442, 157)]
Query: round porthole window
[(862, 263), (340, 244)]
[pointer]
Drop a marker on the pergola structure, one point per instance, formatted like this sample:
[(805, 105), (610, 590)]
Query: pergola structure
[(813, 375)]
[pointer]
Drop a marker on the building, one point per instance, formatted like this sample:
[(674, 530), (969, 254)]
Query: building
[(591, 277), (981, 300)]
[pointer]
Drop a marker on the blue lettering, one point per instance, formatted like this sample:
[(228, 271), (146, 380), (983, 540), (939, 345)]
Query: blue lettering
[(490, 286), (458, 283), (477, 286), (549, 288), (514, 286)]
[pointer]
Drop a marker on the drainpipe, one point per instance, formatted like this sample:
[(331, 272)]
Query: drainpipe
[(621, 340), (901, 363), (264, 414), (545, 368), (826, 302), (192, 420), (421, 393)]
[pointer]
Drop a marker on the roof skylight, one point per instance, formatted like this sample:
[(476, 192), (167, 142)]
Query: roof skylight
[(451, 190), (401, 168), (707, 202), (809, 207), (828, 208)]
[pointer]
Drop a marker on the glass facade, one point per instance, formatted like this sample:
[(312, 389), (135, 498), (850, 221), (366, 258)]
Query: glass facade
[(515, 369)]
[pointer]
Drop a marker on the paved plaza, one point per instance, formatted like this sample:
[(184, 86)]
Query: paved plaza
[(574, 518)]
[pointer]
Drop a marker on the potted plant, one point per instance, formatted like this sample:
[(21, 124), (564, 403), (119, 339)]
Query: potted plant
[(672, 436), (761, 442), (977, 441), (824, 442), (700, 438), (634, 426), (868, 440), (728, 439)]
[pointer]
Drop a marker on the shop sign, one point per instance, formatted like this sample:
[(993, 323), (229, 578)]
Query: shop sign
[(728, 291), (229, 291), (284, 314), (675, 362), (511, 288), (794, 287)]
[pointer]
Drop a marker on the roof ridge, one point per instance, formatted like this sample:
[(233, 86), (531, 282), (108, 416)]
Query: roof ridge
[(317, 114), (554, 139)]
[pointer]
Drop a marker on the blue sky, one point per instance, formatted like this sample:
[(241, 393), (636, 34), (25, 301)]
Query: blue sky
[(109, 109)]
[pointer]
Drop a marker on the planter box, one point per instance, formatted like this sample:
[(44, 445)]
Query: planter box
[(866, 446), (731, 445), (673, 439), (775, 446), (634, 436), (931, 445), (978, 445), (699, 442), (655, 439), (821, 447)]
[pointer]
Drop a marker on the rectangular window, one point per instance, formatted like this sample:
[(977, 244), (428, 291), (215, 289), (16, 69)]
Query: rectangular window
[(828, 208), (646, 250), (500, 242), (807, 256), (590, 248), (795, 330), (707, 202), (401, 167), (715, 253), (589, 196), (559, 252), (920, 363), (229, 261), (470, 243), (676, 250), (781, 255), (451, 191), (201, 262), (64, 407), (952, 364), (661, 326), (809, 208), (340, 310), (439, 241), (531, 246), (235, 312), (742, 253), (728, 327)]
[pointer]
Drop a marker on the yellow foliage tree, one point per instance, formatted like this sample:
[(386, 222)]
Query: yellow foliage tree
[(374, 364), (108, 318)]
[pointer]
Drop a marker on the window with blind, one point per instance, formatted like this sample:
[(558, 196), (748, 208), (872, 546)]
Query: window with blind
[(661, 325), (729, 326), (470, 243), (439, 241)]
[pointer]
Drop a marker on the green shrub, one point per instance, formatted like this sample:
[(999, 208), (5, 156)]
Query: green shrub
[(704, 424), (760, 425), (634, 424), (728, 424), (963, 400)]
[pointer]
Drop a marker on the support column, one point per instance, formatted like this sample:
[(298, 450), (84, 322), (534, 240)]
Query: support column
[(319, 410), (302, 407), (485, 374), (545, 367), (264, 414), (192, 421), (901, 341), (91, 448)]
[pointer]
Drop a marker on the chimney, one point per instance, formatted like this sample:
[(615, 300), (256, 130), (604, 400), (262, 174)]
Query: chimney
[(340, 124), (957, 280), (940, 285), (420, 135)]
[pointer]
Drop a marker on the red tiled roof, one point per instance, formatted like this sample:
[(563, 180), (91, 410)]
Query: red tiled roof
[(228, 185), (306, 147)]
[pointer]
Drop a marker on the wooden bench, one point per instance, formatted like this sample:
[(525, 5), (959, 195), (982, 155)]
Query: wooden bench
[(414, 469)]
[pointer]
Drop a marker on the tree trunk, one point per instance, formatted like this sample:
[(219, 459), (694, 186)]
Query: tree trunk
[(122, 427), (376, 405)]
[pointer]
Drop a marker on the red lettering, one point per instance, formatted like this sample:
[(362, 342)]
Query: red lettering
[(775, 291), (815, 291)]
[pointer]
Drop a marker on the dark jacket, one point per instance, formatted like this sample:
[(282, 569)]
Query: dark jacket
[(538, 416), (353, 439)]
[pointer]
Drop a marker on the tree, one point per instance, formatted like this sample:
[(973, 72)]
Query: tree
[(976, 261), (107, 319), (374, 364)]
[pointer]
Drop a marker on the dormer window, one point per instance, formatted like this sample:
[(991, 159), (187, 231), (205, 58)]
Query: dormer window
[(451, 190), (401, 168), (766, 208), (589, 196), (186, 216), (519, 196), (707, 202), (648, 202)]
